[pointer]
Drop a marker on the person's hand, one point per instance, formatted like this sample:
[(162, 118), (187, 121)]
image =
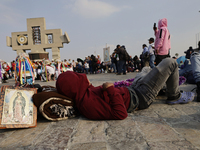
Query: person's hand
[(154, 28), (106, 85)]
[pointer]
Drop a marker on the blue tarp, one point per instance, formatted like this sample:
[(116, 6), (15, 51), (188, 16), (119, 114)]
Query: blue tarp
[(181, 58)]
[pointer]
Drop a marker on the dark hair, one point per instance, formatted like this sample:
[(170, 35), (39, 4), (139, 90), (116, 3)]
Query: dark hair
[(144, 45), (151, 39), (118, 46), (123, 47)]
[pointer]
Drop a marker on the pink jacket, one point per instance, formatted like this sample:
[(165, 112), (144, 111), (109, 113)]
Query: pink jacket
[(162, 41)]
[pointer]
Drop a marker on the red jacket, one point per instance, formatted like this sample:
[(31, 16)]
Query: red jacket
[(7, 68), (13, 65), (93, 102)]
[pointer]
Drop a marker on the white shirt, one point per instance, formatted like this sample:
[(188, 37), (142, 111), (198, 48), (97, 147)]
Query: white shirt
[(69, 61), (86, 65), (151, 49), (73, 64), (50, 70), (80, 63), (39, 71)]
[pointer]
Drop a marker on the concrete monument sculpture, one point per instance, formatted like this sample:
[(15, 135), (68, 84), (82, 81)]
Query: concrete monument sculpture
[(37, 39)]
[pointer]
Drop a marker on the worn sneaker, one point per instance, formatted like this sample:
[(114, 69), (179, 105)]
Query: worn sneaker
[(185, 97)]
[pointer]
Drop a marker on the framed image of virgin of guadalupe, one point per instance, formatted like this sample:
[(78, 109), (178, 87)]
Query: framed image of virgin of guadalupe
[(16, 107), (106, 54)]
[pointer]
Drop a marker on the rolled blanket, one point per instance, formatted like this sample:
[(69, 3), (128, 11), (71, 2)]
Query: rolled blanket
[(54, 106)]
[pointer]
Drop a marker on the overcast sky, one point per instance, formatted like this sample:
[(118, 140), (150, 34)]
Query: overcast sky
[(91, 24)]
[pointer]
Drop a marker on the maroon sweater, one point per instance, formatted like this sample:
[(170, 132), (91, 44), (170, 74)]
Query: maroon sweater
[(93, 102)]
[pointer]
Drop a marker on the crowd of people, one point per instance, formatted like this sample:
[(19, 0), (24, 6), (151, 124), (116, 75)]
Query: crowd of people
[(121, 61), (46, 70), (110, 102), (156, 69)]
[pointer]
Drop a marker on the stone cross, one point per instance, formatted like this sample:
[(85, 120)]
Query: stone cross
[(37, 39)]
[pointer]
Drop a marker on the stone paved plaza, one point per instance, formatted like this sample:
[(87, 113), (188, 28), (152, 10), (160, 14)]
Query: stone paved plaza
[(159, 127)]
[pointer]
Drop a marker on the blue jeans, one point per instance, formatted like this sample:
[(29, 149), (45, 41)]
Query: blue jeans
[(151, 61), (113, 66), (122, 66), (86, 70), (148, 87), (91, 70), (195, 61)]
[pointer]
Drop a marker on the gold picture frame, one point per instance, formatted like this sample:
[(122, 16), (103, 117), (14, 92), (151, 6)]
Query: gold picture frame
[(16, 107)]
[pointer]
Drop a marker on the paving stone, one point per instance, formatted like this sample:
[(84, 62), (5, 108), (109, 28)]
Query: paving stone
[(192, 110), (118, 130), (22, 137), (57, 134), (173, 115), (175, 145), (56, 138), (5, 133), (89, 146), (123, 134), (161, 126), (190, 135), (89, 131), (155, 129), (127, 145), (150, 112)]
